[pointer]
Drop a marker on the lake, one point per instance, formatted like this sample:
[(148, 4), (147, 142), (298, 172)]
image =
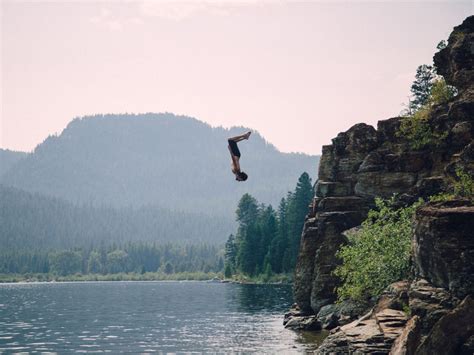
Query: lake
[(146, 317)]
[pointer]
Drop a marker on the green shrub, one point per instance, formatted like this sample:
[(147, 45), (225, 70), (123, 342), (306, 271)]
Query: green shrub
[(415, 127), (442, 197), (462, 186), (378, 254), (441, 92)]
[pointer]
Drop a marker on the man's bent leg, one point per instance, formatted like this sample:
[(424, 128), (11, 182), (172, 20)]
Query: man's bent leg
[(240, 138)]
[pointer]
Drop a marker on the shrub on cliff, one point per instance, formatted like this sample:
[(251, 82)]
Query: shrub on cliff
[(416, 127), (462, 187), (377, 254)]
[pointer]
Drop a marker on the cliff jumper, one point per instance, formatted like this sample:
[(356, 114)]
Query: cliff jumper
[(235, 155)]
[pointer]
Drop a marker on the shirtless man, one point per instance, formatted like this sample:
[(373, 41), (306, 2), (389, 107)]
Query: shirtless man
[(235, 155)]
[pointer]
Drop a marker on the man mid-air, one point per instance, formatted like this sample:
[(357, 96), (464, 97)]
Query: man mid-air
[(235, 155)]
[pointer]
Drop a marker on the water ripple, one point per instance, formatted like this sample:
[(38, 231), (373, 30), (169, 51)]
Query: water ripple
[(147, 317)]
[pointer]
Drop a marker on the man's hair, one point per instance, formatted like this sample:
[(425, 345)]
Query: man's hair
[(242, 176)]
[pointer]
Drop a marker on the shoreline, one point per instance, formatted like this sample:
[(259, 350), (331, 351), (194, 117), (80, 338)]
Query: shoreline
[(135, 277)]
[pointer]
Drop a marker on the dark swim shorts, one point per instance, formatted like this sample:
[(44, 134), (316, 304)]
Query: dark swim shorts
[(233, 148)]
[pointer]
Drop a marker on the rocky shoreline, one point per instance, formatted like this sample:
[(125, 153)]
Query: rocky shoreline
[(432, 313)]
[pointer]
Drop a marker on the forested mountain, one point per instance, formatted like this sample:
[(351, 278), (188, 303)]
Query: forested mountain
[(31, 221), (8, 158), (174, 162)]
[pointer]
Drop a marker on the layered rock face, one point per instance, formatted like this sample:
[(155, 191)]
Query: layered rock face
[(443, 246), (364, 163)]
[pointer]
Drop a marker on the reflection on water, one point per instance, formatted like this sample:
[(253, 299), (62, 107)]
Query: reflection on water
[(142, 317), (262, 298)]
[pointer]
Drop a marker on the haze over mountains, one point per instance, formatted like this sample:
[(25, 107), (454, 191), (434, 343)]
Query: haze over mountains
[(150, 162), (8, 158), (33, 221)]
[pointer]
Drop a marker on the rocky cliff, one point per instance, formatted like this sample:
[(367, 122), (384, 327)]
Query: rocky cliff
[(363, 163)]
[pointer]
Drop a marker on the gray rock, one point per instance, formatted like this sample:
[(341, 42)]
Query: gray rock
[(443, 246), (453, 333), (328, 316), (305, 266), (456, 61), (325, 189), (408, 340), (303, 323), (428, 302), (371, 334)]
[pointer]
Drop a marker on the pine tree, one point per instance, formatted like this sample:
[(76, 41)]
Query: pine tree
[(247, 211), (230, 252), (247, 234), (268, 227), (421, 88), (297, 211), (228, 271), (280, 242)]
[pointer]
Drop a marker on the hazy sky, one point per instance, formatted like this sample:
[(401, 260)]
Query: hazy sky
[(298, 72)]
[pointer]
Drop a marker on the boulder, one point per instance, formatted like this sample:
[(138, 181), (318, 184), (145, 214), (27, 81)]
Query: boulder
[(372, 334), (408, 340), (387, 130), (443, 246), (328, 316), (456, 62), (452, 333), (395, 296), (309, 323), (339, 314), (461, 133), (294, 311)]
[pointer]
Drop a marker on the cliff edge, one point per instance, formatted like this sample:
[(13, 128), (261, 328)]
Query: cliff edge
[(363, 163)]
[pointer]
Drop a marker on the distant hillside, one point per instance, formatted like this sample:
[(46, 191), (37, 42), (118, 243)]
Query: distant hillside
[(33, 221), (8, 158), (164, 160)]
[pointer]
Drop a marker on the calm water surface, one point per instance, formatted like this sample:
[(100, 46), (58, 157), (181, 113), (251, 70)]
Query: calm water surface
[(146, 317)]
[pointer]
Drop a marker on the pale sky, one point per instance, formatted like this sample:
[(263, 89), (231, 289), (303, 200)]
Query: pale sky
[(298, 72)]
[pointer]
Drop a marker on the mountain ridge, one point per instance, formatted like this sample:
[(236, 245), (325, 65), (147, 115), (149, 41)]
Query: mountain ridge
[(175, 162)]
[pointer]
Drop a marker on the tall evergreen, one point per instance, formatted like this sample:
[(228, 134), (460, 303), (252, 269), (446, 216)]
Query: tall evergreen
[(297, 211), (280, 243), (230, 254), (421, 88), (268, 227)]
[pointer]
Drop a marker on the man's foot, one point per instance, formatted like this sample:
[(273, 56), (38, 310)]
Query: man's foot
[(247, 135)]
